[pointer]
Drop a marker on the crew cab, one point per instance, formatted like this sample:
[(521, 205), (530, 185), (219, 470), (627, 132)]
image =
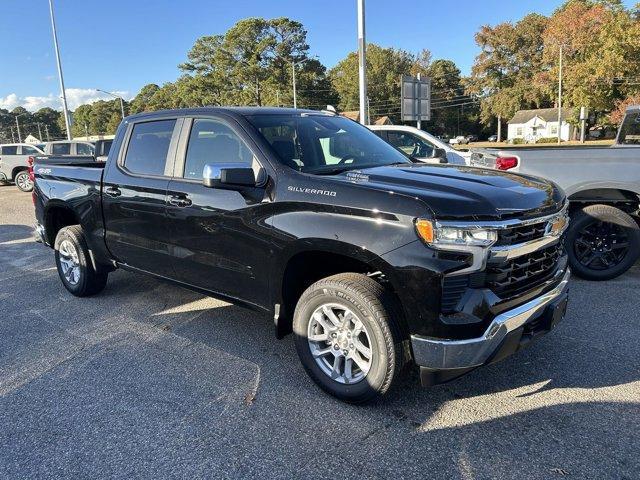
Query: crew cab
[(369, 259), (603, 186)]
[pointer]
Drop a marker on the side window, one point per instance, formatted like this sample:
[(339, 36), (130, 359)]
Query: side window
[(211, 142), (411, 144), (148, 147), (10, 150), (84, 149), (61, 149), (27, 150)]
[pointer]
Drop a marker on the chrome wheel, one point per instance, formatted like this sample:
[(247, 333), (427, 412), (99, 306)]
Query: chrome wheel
[(340, 343), (69, 262), (23, 182)]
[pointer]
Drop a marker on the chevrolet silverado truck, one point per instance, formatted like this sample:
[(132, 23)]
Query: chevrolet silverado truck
[(603, 186), (372, 261)]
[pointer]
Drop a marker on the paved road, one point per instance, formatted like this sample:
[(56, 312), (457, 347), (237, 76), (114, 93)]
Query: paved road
[(149, 380)]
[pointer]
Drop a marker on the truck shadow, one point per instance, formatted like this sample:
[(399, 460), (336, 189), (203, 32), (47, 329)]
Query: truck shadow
[(9, 233)]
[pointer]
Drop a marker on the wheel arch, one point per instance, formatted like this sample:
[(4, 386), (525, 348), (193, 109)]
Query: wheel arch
[(303, 266), (16, 170)]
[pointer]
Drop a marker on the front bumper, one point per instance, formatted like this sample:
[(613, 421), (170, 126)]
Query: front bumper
[(501, 338)]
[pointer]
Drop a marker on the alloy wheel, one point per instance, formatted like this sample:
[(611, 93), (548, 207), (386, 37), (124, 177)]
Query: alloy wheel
[(340, 343), (69, 262)]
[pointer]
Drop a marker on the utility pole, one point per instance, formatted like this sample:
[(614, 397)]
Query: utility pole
[(18, 127), (64, 93), (560, 98), (499, 128), (295, 96), (39, 132), (13, 137), (362, 63), (86, 130), (46, 129), (419, 123)]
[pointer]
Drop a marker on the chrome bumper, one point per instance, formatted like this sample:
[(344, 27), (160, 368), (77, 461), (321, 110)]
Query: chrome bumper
[(440, 354)]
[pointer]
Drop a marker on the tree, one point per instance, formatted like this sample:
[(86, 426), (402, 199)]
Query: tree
[(384, 68), (251, 64), (141, 102), (601, 49), (504, 71)]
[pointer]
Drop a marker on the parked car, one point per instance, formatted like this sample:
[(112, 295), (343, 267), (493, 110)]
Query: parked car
[(370, 259), (472, 138), (420, 144), (603, 185), (459, 140), (14, 164), (69, 147), (492, 138)]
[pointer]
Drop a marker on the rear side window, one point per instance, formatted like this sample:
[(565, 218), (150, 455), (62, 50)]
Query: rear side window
[(148, 147), (84, 149), (212, 142), (9, 150), (26, 150), (61, 149), (630, 130)]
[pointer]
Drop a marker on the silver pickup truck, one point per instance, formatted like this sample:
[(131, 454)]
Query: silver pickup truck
[(603, 186)]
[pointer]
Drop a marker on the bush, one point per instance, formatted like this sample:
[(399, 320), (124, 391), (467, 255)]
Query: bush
[(517, 141), (547, 140)]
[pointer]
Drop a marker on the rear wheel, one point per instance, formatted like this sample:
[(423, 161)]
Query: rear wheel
[(603, 242), (23, 182), (73, 263), (347, 337)]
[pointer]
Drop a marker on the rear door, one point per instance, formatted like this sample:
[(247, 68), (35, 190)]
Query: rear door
[(135, 192), (219, 237)]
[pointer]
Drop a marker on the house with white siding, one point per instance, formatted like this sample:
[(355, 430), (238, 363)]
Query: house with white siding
[(531, 125)]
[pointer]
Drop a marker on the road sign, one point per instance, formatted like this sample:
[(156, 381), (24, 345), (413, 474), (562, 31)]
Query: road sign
[(415, 98)]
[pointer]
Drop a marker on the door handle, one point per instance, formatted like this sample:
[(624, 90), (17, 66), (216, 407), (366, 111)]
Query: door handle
[(180, 201), (113, 191)]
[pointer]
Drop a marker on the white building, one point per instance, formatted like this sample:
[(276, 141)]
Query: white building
[(531, 125)]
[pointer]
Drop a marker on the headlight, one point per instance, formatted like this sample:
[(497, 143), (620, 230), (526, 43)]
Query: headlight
[(443, 236)]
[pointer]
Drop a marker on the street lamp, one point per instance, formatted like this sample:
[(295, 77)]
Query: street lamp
[(114, 96)]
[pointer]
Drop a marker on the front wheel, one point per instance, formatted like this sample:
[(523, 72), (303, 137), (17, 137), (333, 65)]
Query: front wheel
[(348, 337), (23, 182), (74, 265), (603, 242)]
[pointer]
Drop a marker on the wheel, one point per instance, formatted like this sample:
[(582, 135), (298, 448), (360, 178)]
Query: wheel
[(348, 338), (23, 182), (74, 267), (603, 242)]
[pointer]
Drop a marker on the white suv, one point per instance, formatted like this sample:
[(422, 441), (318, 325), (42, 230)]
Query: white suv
[(14, 166)]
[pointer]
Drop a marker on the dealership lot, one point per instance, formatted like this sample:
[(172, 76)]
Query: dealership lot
[(147, 379)]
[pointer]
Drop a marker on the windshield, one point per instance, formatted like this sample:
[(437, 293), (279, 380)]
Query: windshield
[(323, 144), (630, 130)]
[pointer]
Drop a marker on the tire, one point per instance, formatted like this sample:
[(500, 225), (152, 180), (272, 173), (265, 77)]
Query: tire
[(73, 263), (360, 299), (602, 243), (23, 182)]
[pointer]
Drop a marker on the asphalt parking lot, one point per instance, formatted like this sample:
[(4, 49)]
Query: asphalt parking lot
[(149, 380)]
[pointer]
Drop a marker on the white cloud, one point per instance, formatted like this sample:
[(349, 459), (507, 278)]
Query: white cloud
[(75, 98)]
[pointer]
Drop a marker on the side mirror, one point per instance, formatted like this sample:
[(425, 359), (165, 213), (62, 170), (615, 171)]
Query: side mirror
[(215, 175), (440, 153)]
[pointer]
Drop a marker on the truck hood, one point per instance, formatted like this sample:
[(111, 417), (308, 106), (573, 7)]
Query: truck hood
[(464, 192)]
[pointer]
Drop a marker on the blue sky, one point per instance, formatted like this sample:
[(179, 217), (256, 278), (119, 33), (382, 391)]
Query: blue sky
[(120, 45)]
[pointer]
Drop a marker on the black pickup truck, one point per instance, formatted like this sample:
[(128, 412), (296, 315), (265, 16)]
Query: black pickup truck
[(370, 259)]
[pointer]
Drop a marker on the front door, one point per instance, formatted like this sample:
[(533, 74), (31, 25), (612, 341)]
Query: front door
[(135, 195), (219, 240)]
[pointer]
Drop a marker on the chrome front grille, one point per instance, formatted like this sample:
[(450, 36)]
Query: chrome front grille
[(521, 234)]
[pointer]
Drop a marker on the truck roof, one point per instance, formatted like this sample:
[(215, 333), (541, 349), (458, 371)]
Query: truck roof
[(233, 111), (633, 108)]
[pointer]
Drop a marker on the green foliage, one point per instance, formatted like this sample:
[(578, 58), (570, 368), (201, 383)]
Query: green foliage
[(517, 141), (45, 118), (547, 140)]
